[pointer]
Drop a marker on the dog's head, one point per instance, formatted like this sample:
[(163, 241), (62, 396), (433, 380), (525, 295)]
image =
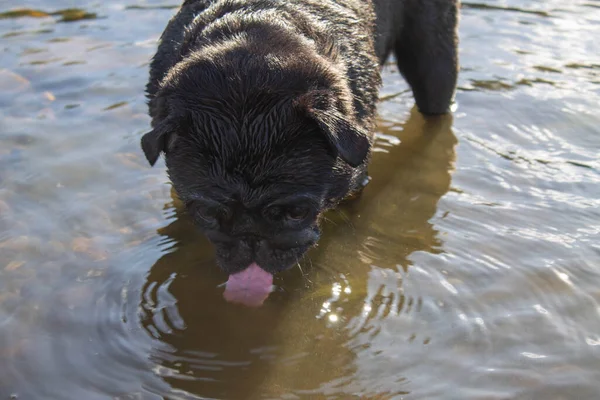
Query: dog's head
[(257, 148)]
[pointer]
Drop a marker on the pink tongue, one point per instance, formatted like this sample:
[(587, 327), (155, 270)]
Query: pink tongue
[(250, 287)]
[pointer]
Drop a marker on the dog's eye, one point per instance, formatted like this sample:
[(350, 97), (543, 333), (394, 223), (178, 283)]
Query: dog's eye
[(293, 213), (297, 213), (223, 214), (207, 216)]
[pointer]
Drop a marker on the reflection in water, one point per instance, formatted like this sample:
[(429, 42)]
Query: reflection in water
[(67, 15), (329, 309)]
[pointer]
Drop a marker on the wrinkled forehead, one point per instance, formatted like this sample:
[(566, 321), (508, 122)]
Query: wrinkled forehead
[(252, 178), (276, 177), (252, 160), (272, 156), (258, 197)]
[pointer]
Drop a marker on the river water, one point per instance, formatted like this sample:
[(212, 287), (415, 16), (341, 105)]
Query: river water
[(469, 269)]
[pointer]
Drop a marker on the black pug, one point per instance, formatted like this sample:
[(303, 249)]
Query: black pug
[(265, 110)]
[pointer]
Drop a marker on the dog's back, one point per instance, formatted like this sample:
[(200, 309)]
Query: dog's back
[(341, 29), (421, 33)]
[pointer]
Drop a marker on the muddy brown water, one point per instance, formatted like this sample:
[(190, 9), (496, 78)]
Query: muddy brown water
[(469, 269)]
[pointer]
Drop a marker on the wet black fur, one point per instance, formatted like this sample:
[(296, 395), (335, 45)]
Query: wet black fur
[(265, 109)]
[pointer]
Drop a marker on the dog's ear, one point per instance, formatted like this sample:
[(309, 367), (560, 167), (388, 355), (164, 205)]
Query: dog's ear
[(349, 141), (159, 140)]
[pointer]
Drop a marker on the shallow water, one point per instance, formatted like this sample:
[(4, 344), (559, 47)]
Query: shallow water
[(469, 269)]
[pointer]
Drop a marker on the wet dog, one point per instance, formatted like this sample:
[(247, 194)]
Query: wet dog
[(265, 111)]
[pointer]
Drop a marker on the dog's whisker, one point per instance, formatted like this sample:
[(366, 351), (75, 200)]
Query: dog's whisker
[(329, 220), (311, 266), (304, 276), (345, 218)]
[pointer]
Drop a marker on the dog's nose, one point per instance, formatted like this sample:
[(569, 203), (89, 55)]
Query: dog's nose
[(252, 241)]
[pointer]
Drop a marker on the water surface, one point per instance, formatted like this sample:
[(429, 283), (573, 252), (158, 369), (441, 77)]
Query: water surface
[(469, 268)]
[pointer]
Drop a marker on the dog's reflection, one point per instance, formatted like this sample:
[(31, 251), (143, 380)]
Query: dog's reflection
[(307, 335)]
